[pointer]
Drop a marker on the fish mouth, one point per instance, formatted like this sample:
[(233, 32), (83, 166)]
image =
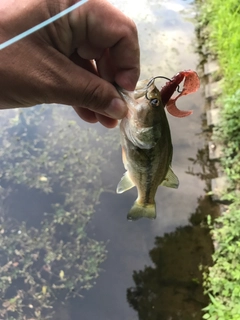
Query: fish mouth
[(169, 88), (144, 85), (173, 84)]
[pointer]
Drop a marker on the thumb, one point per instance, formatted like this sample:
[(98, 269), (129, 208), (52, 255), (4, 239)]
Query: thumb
[(79, 85)]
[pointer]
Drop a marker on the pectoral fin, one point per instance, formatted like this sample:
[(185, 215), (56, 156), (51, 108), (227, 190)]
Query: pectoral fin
[(125, 183), (171, 180)]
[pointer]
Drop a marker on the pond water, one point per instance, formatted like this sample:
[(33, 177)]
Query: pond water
[(67, 249)]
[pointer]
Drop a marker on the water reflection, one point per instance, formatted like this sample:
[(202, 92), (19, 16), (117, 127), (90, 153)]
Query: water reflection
[(172, 287), (174, 278), (56, 171)]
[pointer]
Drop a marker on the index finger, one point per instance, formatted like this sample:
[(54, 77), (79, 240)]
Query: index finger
[(99, 25)]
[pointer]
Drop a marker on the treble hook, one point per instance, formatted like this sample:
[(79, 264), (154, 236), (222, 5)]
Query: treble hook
[(160, 77)]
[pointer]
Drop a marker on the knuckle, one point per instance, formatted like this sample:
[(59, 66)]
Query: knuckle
[(130, 28)]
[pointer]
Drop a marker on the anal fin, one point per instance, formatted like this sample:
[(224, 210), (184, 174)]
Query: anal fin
[(171, 180)]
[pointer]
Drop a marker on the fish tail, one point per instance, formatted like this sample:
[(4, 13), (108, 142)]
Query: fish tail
[(141, 210)]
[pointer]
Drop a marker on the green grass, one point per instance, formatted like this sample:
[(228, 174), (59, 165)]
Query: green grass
[(222, 281), (223, 21)]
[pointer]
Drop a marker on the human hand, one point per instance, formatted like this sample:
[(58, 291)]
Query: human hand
[(72, 61)]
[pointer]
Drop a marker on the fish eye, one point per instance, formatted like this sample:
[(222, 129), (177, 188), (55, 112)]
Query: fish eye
[(154, 102)]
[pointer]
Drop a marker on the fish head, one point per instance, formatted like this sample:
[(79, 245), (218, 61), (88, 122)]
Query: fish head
[(144, 103), (149, 105)]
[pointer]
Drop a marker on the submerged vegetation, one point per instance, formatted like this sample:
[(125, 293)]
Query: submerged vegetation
[(220, 24), (46, 254)]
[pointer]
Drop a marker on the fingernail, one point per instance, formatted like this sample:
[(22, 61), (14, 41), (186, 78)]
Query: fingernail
[(117, 109)]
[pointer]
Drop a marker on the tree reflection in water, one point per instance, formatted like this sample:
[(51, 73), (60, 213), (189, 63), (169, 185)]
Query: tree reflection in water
[(172, 287)]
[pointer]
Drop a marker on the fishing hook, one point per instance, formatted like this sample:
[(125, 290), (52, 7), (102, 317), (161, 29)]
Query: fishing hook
[(160, 77)]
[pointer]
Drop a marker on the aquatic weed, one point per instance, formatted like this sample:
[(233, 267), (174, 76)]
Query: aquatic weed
[(46, 150)]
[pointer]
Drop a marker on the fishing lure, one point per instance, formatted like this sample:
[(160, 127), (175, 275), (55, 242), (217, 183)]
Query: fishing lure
[(191, 84)]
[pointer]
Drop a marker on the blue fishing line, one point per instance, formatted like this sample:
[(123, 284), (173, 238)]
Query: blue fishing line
[(41, 25)]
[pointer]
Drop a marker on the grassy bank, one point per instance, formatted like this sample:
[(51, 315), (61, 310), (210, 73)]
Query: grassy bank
[(221, 19)]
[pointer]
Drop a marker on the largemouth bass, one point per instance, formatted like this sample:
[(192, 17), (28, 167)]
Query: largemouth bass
[(146, 142)]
